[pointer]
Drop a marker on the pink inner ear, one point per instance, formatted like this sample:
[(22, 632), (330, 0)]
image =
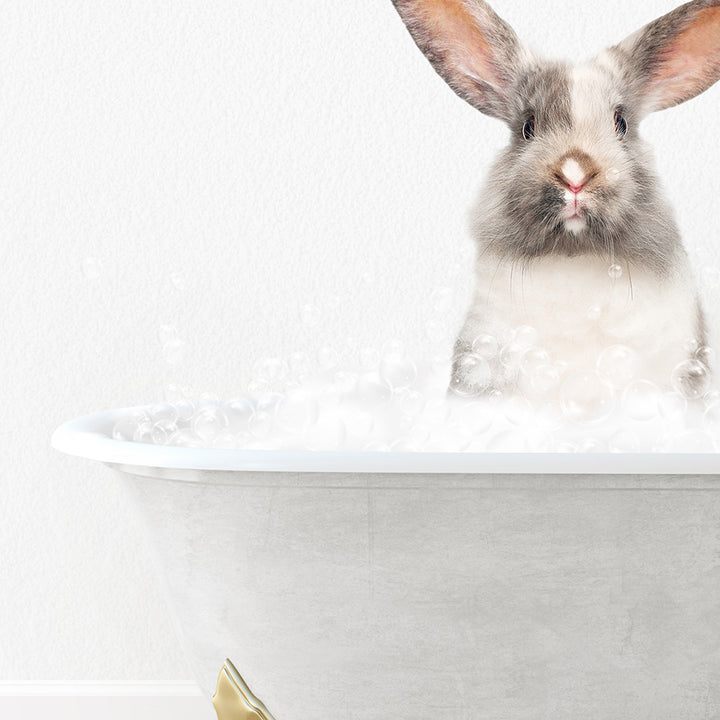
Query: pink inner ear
[(458, 30), (692, 63)]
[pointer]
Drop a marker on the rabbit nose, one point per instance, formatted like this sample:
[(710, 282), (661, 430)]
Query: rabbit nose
[(574, 188), (575, 171)]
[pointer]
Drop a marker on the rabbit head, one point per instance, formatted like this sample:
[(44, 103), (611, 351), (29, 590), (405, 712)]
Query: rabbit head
[(576, 177)]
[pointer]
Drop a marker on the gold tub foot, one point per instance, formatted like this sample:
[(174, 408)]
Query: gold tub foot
[(233, 699)]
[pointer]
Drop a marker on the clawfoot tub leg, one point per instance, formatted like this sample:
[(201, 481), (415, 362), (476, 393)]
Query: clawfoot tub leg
[(233, 699)]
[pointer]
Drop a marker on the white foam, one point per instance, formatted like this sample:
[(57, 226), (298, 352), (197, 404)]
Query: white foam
[(391, 402)]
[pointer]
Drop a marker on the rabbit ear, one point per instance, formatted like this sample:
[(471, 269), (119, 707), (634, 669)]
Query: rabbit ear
[(677, 56), (474, 50)]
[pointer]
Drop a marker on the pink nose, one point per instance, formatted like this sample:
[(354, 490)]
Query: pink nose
[(574, 188)]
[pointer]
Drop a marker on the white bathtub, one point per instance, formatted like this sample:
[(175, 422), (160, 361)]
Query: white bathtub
[(357, 586)]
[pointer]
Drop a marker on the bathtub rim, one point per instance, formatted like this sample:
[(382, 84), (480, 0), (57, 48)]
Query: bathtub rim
[(90, 436)]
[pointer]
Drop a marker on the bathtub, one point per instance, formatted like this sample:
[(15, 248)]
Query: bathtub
[(358, 586)]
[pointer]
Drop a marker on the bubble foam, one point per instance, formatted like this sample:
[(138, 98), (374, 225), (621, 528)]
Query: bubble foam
[(390, 402)]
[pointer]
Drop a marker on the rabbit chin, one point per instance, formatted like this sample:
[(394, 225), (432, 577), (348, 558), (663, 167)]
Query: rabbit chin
[(575, 224)]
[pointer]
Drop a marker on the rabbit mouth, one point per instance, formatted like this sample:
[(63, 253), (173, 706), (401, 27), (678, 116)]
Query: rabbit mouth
[(574, 215)]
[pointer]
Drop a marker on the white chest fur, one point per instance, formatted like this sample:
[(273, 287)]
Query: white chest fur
[(578, 307)]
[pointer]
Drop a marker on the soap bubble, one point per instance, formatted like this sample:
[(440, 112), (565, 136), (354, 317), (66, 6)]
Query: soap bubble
[(369, 358), (691, 441), (300, 367), (270, 371), (441, 300), (297, 411), (711, 418), (172, 392), (511, 354), (452, 437), (328, 357), (239, 413), (162, 430), (533, 359), (612, 174), (125, 427), (436, 412), (478, 415), (435, 331), (372, 390), (592, 445), (261, 423), (586, 397), (185, 438), (163, 412), (615, 271), (440, 364), (691, 379), (397, 370), (92, 268), (544, 379), (507, 441), (224, 441), (406, 444), (310, 315), (538, 440), (485, 346), (173, 351), (672, 405), (518, 410), (640, 400), (624, 441), (594, 312), (411, 401), (178, 280), (706, 355), (144, 433), (344, 382), (393, 347), (359, 424), (377, 446), (257, 388), (208, 421), (328, 433), (525, 336), (711, 397), (618, 364), (471, 376), (184, 409)]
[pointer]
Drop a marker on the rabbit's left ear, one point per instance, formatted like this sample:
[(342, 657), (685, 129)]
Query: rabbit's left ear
[(675, 57)]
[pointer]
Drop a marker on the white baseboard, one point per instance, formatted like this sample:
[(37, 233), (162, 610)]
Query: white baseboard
[(109, 702)]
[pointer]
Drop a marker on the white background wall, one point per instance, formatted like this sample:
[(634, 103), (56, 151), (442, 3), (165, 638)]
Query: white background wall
[(216, 167)]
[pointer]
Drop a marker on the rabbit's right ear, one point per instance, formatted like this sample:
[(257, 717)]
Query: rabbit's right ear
[(475, 51)]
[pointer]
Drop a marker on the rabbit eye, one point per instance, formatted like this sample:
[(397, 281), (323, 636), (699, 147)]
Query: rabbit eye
[(620, 124), (528, 131)]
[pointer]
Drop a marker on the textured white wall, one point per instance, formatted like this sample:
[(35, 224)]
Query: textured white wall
[(215, 167)]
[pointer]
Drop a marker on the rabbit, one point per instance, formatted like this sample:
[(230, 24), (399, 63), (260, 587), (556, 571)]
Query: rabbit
[(578, 253)]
